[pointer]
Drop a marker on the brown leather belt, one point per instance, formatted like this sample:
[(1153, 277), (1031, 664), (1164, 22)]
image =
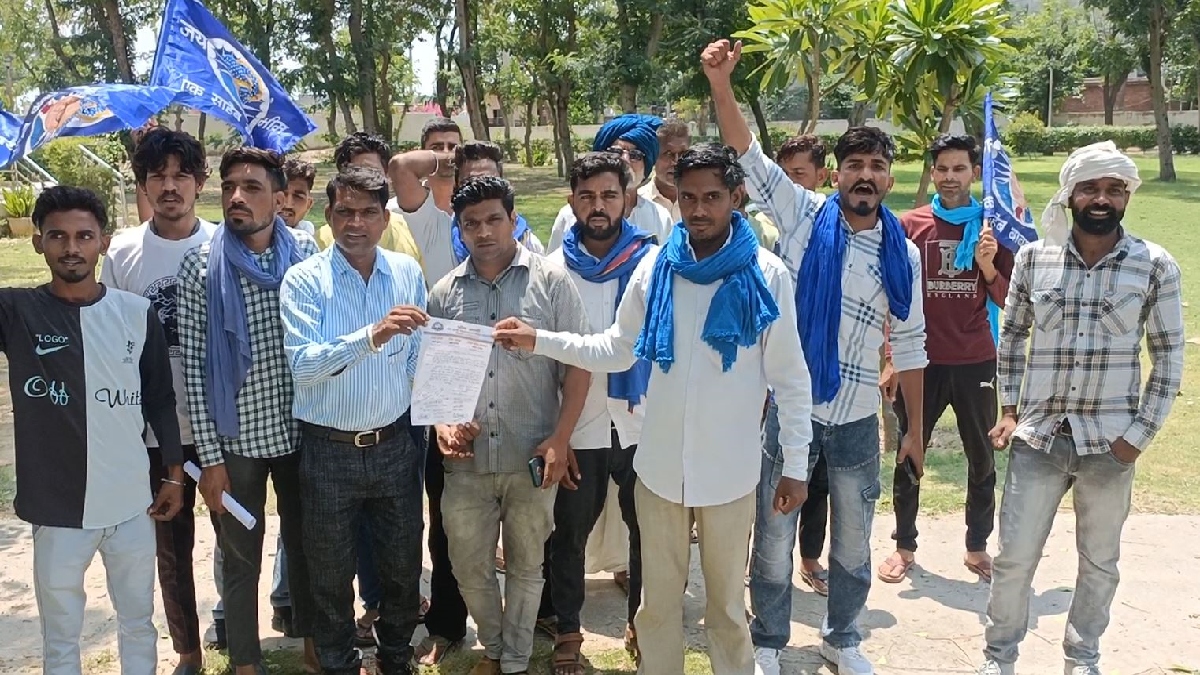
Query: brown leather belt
[(358, 439)]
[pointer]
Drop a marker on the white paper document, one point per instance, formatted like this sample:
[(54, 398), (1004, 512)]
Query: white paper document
[(450, 370)]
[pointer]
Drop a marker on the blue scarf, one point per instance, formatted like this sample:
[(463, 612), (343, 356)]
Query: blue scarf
[(970, 217), (819, 290), (631, 246), (740, 311), (229, 357), (460, 249)]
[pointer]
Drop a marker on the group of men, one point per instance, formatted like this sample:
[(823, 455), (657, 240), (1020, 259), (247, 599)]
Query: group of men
[(259, 351)]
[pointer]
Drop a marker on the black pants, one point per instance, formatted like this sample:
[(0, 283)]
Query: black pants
[(814, 513), (242, 550), (447, 614), (575, 514), (343, 486), (970, 390), (175, 540)]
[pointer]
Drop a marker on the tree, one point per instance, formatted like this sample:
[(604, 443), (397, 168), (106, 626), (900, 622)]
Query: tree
[(1055, 46), (466, 18), (1151, 20), (639, 29), (800, 36), (1112, 59)]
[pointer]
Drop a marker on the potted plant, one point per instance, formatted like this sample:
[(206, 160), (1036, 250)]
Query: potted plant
[(18, 205)]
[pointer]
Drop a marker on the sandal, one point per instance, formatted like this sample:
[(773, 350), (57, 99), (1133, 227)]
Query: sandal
[(983, 569), (547, 626), (567, 659), (817, 579), (894, 569), (621, 579), (434, 648), (631, 644)]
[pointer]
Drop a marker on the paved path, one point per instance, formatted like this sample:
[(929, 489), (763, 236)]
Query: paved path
[(932, 623)]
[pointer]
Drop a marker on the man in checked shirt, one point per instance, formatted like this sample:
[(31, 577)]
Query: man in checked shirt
[(1081, 301)]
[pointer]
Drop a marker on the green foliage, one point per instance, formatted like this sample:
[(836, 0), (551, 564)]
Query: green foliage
[(18, 201), (63, 160), (1025, 135), (1059, 38)]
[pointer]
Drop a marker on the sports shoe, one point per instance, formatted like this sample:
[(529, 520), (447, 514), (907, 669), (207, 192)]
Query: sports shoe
[(847, 660), (766, 661), (991, 667), (1072, 669)]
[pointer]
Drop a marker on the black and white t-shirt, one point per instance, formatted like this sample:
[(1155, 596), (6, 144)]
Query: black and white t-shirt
[(141, 262), (85, 380)]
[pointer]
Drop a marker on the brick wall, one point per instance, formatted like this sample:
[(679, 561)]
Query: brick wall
[(1133, 97)]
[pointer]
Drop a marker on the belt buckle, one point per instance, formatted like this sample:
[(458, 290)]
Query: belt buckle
[(373, 435)]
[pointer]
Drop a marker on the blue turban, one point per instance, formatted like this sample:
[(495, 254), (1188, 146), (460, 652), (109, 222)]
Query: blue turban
[(641, 130)]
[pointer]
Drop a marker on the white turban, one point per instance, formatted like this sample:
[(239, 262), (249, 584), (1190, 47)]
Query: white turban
[(1092, 162)]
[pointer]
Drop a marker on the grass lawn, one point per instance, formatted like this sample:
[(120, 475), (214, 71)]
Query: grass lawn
[(1167, 483)]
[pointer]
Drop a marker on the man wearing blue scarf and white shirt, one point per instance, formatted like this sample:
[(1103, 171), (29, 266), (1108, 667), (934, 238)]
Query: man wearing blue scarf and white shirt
[(600, 252), (635, 138), (714, 313), (857, 273)]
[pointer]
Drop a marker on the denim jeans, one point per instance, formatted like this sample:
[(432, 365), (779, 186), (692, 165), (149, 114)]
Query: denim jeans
[(1035, 484), (280, 595), (851, 453), (473, 507), (343, 486)]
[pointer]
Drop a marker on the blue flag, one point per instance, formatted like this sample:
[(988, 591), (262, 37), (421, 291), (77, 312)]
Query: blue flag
[(90, 110), (10, 128), (215, 74), (1004, 206)]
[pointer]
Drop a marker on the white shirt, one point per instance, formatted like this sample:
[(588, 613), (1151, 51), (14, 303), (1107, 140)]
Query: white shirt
[(646, 216), (601, 413), (141, 262), (430, 227), (650, 191), (865, 309), (701, 442)]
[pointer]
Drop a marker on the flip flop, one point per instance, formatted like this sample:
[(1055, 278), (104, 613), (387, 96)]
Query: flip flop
[(894, 569), (983, 569), (818, 580)]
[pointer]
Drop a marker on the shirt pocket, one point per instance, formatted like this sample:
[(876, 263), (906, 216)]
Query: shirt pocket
[(1049, 308), (468, 311), (536, 319), (1121, 310)]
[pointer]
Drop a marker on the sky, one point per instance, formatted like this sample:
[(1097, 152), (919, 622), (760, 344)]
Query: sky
[(424, 58)]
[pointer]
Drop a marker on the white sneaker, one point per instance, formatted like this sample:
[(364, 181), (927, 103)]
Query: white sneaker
[(766, 661), (995, 668), (847, 660), (1082, 670)]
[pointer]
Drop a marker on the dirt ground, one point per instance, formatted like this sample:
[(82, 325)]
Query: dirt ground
[(932, 623)]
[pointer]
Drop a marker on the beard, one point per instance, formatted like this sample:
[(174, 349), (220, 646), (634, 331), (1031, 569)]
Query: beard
[(1100, 225), (603, 233)]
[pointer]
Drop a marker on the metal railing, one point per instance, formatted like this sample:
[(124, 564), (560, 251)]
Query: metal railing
[(123, 216)]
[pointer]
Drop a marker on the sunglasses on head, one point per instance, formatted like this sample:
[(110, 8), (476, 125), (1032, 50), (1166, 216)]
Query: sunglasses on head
[(633, 154)]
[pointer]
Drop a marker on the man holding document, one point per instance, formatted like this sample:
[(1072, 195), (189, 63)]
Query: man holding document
[(525, 414), (353, 389)]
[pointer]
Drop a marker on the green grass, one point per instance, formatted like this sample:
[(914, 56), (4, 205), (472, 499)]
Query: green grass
[(1161, 212)]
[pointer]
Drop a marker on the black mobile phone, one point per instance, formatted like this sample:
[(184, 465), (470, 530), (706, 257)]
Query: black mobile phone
[(537, 470), (910, 470)]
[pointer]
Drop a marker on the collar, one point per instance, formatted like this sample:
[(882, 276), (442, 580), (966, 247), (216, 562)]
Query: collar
[(342, 266), (521, 259), (1118, 253), (688, 242)]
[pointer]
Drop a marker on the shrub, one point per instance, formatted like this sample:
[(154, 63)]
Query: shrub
[(1025, 135), (64, 160)]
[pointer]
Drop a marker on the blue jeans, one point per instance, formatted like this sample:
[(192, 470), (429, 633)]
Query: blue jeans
[(280, 596), (1035, 484), (851, 452)]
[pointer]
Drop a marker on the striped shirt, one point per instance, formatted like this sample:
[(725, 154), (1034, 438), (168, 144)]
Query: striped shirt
[(328, 311), (519, 404), (1083, 329), (865, 313), (264, 403)]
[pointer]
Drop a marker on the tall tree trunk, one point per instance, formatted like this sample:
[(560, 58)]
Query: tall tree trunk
[(505, 112), (120, 43), (365, 61), (322, 21), (562, 116), (331, 118), (628, 97), (1109, 94), (201, 126), (552, 107), (384, 89), (858, 114), (347, 114), (56, 44), (760, 120), (922, 197), (1162, 122), (529, 122), (467, 67), (441, 93), (814, 86)]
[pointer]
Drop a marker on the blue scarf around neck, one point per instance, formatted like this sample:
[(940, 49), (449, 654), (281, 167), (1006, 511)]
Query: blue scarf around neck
[(228, 336), (970, 217), (627, 252), (819, 290), (740, 311), (460, 249)]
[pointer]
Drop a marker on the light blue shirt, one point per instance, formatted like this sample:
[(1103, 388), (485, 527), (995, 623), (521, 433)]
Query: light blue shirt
[(328, 311)]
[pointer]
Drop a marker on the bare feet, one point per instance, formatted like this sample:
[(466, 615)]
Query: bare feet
[(311, 663)]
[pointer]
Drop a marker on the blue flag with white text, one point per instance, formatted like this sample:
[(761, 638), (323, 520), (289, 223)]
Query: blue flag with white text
[(91, 110), (10, 128), (215, 74)]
